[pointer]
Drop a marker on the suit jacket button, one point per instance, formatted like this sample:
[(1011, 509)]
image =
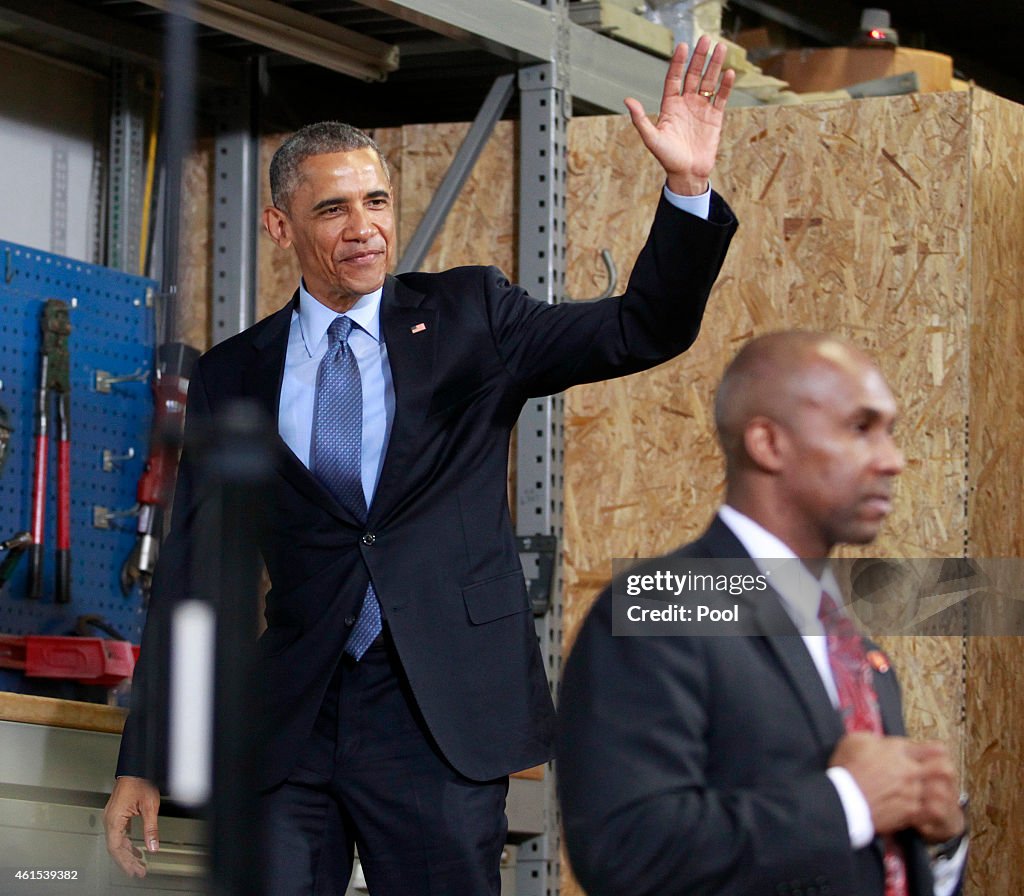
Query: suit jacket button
[(369, 538)]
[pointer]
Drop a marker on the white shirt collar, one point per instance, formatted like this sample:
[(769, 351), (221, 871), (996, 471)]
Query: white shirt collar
[(799, 589), (315, 317)]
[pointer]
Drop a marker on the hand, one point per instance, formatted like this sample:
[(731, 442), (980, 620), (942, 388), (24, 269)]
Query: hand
[(939, 817), (685, 138), (131, 797), (888, 774)]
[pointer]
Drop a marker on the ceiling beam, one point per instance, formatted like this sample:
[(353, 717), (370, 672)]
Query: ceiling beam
[(107, 36), (601, 71), (294, 33)]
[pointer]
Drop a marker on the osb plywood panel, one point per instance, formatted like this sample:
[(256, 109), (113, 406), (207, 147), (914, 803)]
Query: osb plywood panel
[(481, 226), (995, 774), (192, 312), (996, 469), (854, 220), (997, 327)]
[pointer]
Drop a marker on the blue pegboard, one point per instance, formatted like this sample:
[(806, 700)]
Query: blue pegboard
[(112, 330)]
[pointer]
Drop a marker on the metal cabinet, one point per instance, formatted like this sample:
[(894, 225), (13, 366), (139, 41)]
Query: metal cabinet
[(54, 783)]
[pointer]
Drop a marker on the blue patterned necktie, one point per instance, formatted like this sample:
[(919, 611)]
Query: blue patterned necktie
[(336, 454)]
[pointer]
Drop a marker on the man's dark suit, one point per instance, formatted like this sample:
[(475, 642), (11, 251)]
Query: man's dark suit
[(466, 350), (696, 765)]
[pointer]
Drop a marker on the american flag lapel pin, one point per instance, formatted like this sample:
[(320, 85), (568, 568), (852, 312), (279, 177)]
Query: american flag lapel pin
[(419, 328)]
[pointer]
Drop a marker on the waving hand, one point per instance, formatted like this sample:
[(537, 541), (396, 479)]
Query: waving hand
[(685, 137)]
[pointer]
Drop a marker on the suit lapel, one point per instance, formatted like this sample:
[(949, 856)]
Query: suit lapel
[(263, 377), (409, 329), (782, 637), (887, 691)]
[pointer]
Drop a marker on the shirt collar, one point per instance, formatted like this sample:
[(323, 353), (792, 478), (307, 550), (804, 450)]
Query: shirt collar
[(799, 589), (315, 317)]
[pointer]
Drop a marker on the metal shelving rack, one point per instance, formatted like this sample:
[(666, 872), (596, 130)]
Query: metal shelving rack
[(558, 64)]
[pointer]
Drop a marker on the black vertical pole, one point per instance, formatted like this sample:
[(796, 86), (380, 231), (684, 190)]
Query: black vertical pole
[(239, 460), (177, 138), (212, 699)]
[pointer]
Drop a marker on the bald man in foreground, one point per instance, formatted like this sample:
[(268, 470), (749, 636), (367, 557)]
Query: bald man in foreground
[(772, 761)]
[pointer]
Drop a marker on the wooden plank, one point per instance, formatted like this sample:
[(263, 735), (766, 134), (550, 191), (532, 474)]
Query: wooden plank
[(611, 18), (61, 713)]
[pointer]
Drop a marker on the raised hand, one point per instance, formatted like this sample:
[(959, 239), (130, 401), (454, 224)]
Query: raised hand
[(685, 137)]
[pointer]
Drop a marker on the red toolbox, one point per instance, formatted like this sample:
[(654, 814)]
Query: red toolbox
[(99, 661)]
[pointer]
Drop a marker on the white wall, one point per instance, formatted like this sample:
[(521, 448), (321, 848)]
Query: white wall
[(47, 108)]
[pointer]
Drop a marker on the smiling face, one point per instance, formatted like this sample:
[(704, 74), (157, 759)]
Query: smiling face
[(340, 220), (836, 452)]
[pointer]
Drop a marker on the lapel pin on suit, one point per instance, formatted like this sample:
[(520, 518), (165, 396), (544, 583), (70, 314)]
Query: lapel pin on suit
[(879, 661), (419, 328)]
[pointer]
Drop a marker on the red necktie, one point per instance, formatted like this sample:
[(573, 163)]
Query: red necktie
[(858, 705)]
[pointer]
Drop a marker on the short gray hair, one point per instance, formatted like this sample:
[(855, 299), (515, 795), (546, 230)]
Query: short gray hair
[(314, 140)]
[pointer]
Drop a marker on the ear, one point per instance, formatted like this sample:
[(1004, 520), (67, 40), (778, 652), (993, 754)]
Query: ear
[(278, 226), (764, 442)]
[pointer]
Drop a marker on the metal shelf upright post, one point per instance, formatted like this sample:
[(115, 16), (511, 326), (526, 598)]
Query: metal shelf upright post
[(545, 108), (125, 180), (235, 213)]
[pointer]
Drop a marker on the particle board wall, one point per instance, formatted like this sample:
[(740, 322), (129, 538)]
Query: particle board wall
[(896, 223), (193, 311), (481, 226), (995, 734), (997, 327), (852, 221)]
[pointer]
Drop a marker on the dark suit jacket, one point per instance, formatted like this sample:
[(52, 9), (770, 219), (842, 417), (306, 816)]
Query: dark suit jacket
[(696, 765), (466, 350)]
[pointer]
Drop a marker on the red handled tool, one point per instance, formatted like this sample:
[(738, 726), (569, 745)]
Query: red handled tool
[(170, 389), (54, 376)]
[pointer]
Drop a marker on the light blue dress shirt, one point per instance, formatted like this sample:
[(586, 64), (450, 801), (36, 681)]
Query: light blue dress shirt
[(307, 344)]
